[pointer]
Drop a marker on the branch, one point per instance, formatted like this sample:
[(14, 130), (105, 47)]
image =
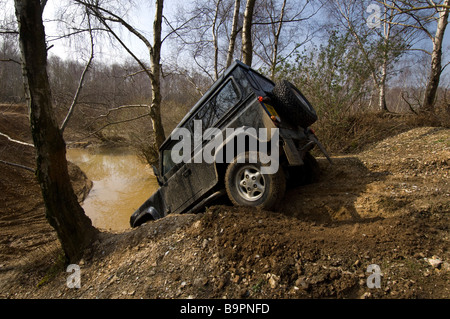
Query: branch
[(420, 50), (80, 83), (123, 107), (351, 29), (17, 165), (282, 21), (293, 19), (9, 32), (407, 102), (116, 109), (16, 141), (95, 9), (412, 9), (116, 122), (137, 73), (11, 60), (410, 12), (116, 18), (191, 81), (203, 68), (175, 30), (75, 32), (141, 64), (443, 68)]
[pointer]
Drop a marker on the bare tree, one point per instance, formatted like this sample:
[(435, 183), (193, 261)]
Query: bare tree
[(421, 14), (11, 87), (234, 32), (379, 49), (280, 29), (106, 17), (436, 57), (206, 34), (63, 211)]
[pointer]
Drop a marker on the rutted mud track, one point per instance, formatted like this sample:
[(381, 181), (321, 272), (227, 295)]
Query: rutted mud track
[(387, 206)]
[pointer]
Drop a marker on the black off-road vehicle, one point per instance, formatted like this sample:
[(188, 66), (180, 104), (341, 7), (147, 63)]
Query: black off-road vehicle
[(238, 105)]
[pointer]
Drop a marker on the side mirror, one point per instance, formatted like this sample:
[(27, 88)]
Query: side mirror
[(156, 172)]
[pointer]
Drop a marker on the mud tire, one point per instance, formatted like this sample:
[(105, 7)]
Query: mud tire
[(291, 104)]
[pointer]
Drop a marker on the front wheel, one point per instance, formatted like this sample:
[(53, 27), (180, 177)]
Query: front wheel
[(247, 186)]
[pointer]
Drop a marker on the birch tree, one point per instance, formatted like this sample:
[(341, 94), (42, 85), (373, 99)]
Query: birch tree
[(234, 32), (379, 48), (431, 18), (247, 41)]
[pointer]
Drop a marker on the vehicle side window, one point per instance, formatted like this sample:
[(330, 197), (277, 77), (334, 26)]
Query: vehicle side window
[(218, 105), (167, 161)]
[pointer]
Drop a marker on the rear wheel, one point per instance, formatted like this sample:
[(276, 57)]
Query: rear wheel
[(247, 186)]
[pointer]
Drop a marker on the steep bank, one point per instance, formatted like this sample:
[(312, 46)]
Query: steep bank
[(387, 206)]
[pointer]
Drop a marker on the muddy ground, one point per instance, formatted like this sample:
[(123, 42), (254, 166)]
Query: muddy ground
[(387, 206)]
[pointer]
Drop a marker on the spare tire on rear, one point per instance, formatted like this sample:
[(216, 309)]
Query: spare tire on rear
[(291, 104)]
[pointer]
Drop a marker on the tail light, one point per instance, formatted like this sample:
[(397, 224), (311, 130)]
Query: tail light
[(269, 109)]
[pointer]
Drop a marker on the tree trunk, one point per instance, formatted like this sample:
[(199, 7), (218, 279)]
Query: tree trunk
[(274, 61), (234, 32), (247, 45), (215, 42), (436, 60), (155, 60), (384, 68), (382, 98), (64, 213)]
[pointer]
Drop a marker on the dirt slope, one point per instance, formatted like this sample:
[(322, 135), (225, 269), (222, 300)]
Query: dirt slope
[(387, 206)]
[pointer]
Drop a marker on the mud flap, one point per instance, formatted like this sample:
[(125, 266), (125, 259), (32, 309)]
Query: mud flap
[(292, 153)]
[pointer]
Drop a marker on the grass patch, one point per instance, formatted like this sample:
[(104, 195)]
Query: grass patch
[(57, 267), (355, 133), (256, 288)]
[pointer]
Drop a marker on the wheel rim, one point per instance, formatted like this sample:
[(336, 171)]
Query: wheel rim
[(250, 183)]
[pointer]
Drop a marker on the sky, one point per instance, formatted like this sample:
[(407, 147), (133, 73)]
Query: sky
[(140, 15)]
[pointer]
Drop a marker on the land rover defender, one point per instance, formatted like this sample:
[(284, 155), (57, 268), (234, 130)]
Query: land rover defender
[(245, 139)]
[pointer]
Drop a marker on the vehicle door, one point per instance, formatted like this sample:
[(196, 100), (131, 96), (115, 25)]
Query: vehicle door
[(179, 184)]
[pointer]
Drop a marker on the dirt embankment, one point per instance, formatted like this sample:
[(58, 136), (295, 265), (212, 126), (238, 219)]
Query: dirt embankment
[(387, 206)]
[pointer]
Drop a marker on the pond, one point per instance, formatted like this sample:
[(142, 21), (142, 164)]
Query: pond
[(121, 183)]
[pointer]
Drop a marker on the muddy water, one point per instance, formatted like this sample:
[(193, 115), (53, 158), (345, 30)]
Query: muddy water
[(121, 184)]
